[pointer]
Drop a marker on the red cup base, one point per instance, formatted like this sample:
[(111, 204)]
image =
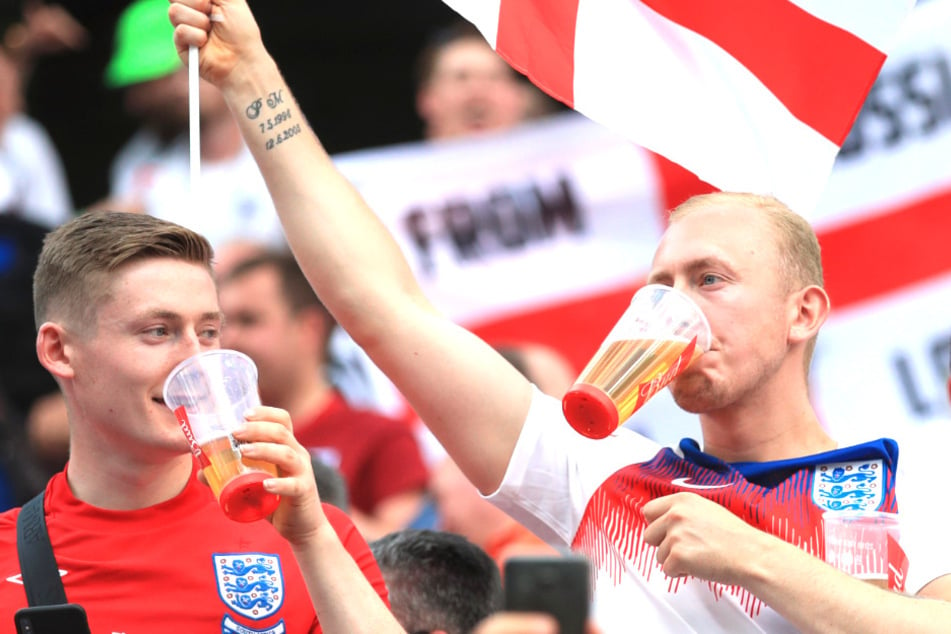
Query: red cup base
[(244, 499), (590, 411)]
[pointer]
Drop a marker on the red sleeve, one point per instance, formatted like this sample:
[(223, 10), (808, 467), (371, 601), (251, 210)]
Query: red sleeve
[(358, 548), (396, 466)]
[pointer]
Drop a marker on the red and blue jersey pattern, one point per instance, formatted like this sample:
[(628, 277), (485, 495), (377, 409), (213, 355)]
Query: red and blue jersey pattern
[(785, 498)]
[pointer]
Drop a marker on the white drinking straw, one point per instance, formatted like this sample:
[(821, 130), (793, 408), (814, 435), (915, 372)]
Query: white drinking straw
[(194, 142)]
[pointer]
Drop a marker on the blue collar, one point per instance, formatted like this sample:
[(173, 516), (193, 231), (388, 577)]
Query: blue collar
[(767, 473)]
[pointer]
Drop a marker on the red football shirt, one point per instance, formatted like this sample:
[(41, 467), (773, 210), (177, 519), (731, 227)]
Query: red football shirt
[(179, 566), (377, 456)]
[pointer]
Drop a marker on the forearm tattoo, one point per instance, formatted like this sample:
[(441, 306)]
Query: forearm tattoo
[(277, 128)]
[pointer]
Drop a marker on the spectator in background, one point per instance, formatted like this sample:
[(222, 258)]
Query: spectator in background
[(273, 316), (331, 486), (544, 366), (151, 172), (462, 510), (34, 198), (438, 581), (154, 90), (463, 87), (33, 181), (23, 381), (36, 29)]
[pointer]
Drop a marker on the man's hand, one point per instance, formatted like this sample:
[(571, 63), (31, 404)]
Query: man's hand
[(699, 538), (268, 436), (225, 34)]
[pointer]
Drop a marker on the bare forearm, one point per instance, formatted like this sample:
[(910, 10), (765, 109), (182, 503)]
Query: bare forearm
[(361, 275), (815, 597), (343, 598), (327, 222)]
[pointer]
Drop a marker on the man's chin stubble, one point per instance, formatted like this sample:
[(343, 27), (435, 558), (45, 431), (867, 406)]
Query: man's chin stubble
[(695, 394)]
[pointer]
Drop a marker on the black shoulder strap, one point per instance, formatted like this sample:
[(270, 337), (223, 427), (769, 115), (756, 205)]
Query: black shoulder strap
[(38, 567)]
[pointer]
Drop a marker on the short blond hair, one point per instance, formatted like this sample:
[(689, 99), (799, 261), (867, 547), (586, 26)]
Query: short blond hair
[(800, 257), (73, 273)]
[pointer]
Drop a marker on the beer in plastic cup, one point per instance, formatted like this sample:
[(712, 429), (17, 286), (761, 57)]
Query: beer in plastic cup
[(209, 393), (657, 337), (865, 545)]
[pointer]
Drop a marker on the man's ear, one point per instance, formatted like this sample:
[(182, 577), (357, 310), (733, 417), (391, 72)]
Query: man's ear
[(52, 350), (809, 309), (317, 323)]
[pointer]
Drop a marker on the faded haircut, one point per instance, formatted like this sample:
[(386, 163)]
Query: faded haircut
[(79, 258)]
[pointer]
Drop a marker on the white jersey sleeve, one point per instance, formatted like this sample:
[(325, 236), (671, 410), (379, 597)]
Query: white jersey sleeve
[(554, 470)]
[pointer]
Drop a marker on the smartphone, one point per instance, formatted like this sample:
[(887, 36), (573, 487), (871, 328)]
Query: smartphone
[(66, 618), (556, 585)]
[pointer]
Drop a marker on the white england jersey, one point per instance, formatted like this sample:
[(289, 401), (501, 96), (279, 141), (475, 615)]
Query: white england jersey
[(588, 494)]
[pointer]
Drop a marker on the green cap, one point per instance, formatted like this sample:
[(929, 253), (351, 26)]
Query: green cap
[(144, 49)]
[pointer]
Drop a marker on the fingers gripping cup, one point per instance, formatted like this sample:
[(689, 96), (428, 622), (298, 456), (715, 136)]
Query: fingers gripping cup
[(209, 393), (657, 338)]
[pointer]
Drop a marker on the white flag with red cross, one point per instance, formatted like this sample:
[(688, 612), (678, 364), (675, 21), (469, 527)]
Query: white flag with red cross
[(749, 95)]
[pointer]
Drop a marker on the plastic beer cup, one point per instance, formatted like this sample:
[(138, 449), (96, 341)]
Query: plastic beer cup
[(209, 393), (865, 545), (657, 338)]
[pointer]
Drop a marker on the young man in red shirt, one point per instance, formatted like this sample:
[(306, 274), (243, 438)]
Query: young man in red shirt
[(120, 299)]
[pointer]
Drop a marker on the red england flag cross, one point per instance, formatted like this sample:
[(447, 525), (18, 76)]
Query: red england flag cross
[(749, 95)]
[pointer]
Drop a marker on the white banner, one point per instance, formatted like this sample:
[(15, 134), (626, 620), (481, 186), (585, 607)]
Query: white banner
[(542, 234)]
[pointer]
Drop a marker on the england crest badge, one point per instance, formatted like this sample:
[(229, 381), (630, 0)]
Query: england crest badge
[(251, 584), (857, 485)]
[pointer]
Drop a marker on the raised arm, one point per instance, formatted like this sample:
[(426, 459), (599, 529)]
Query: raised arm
[(469, 396)]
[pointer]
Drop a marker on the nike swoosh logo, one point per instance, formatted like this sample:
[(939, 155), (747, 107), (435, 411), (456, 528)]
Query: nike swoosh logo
[(682, 482), (19, 578)]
